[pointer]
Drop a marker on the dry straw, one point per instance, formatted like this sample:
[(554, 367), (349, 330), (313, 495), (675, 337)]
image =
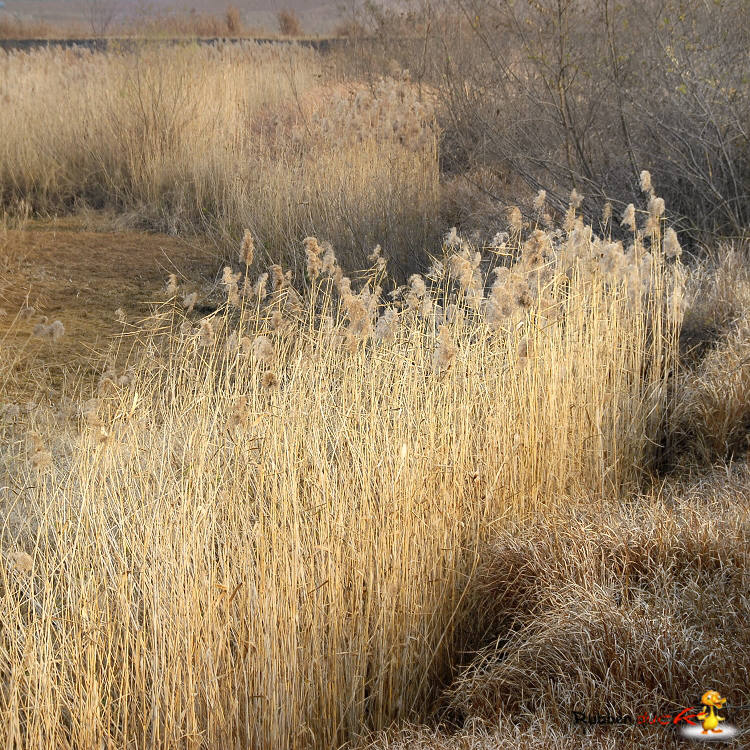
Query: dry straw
[(272, 549), (287, 147)]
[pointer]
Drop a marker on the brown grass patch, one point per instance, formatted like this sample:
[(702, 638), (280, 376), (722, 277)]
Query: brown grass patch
[(80, 277)]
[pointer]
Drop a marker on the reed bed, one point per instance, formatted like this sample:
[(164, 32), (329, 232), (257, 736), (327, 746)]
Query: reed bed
[(215, 139), (260, 532)]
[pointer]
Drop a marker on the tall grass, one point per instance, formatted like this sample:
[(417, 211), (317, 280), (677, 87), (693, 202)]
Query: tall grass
[(221, 138), (260, 535), (617, 614)]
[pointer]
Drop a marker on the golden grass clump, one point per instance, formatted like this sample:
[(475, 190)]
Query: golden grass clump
[(266, 534), (603, 611), (618, 609), (710, 420)]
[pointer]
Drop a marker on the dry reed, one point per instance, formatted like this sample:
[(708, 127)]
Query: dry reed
[(263, 535), (218, 139)]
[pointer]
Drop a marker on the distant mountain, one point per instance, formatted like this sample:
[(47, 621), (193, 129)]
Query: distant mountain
[(316, 16)]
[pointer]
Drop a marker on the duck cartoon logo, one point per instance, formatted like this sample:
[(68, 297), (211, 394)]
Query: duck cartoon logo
[(709, 727)]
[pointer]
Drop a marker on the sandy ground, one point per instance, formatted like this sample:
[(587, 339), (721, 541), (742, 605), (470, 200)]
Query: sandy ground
[(80, 277)]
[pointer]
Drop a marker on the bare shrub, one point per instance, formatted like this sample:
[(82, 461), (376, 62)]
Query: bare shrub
[(569, 94), (233, 20), (101, 14), (289, 23), (349, 29)]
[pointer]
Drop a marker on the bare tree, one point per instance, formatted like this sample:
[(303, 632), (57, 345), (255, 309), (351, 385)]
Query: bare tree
[(101, 14)]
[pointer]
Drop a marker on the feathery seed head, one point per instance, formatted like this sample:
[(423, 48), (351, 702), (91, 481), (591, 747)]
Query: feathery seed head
[(417, 285), (461, 266), (427, 307), (672, 248), (205, 334), (228, 278), (387, 326), (499, 243), (263, 349), (515, 219), (535, 250), (247, 249), (22, 561), (277, 277), (329, 263), (269, 380), (628, 218), (540, 201), (645, 180), (569, 223), (238, 414), (437, 270), (655, 212), (445, 350), (40, 329), (452, 239), (259, 290), (314, 262), (656, 206), (53, 332), (344, 286), (126, 378), (230, 281), (276, 321), (232, 343)]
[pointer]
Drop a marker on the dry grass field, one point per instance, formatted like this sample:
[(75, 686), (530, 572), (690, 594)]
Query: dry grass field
[(219, 139), (287, 463)]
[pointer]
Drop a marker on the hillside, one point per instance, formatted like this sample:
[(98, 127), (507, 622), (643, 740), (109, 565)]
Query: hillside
[(315, 16)]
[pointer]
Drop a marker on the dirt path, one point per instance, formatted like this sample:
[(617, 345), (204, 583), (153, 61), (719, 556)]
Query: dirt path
[(81, 278)]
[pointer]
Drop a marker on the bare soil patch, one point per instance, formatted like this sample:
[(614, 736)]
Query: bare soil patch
[(80, 277)]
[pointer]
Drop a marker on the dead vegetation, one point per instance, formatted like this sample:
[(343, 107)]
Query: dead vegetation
[(492, 477), (629, 612), (213, 140)]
